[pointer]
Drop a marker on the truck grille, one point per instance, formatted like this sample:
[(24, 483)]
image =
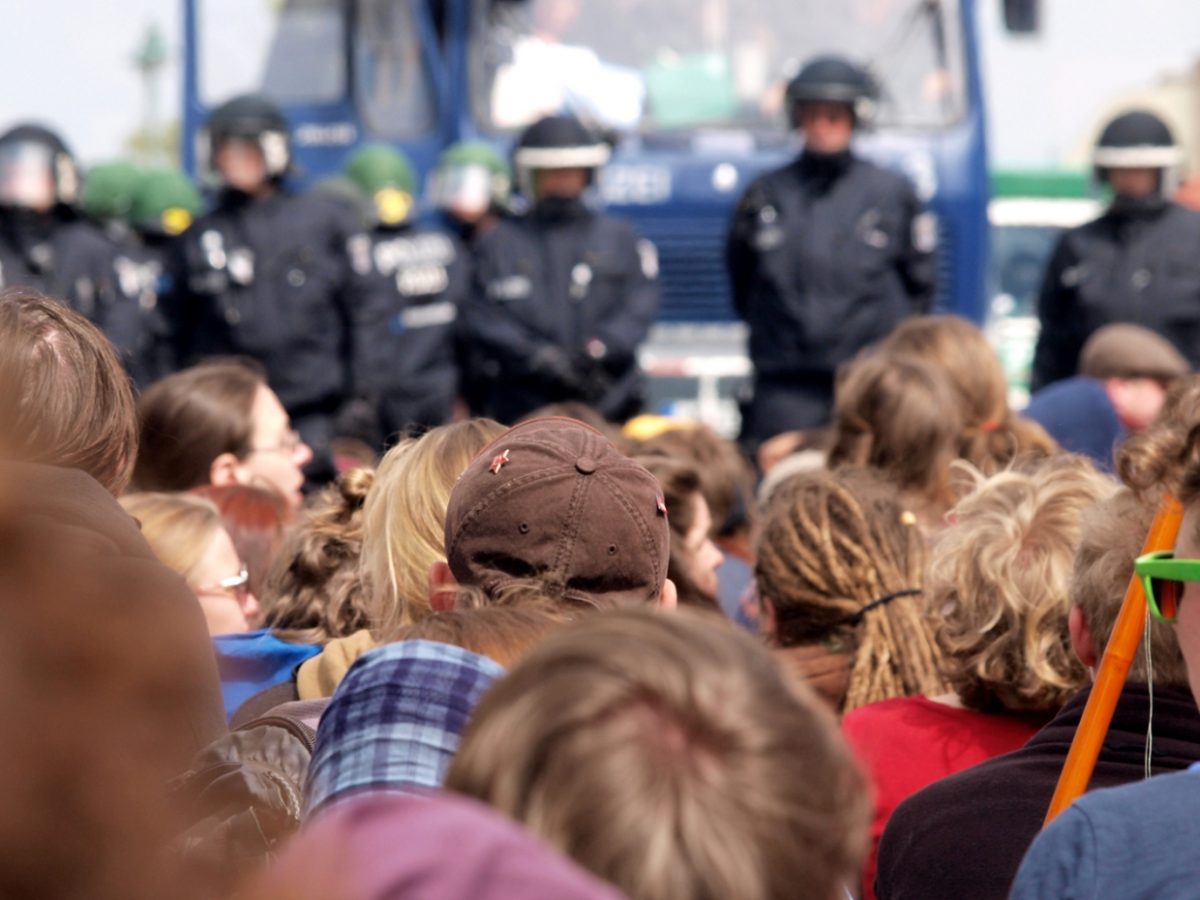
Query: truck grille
[(691, 258)]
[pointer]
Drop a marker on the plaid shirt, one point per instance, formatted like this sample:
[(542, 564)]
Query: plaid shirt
[(395, 720)]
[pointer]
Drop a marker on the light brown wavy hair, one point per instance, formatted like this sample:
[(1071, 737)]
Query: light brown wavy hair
[(832, 543), (666, 754), (315, 591), (1158, 457), (992, 434), (999, 580)]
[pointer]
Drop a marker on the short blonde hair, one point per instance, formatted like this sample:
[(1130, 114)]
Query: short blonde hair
[(178, 527), (666, 754), (999, 581), (405, 515)]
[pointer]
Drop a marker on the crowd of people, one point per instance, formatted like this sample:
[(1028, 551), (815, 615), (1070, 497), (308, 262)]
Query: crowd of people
[(340, 563)]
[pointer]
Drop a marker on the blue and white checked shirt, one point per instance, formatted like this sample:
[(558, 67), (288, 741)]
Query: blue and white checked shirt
[(395, 721)]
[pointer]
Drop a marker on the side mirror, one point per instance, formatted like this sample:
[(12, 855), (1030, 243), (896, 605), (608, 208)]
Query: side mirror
[(1021, 16)]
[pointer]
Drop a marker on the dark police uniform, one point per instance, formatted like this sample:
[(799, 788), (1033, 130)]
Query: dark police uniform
[(825, 256), (562, 298), (70, 259), (145, 273), (405, 361), (270, 278), (1139, 263)]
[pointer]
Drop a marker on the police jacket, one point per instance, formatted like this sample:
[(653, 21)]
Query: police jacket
[(70, 259), (825, 256), (561, 300), (1139, 263), (415, 281), (270, 278)]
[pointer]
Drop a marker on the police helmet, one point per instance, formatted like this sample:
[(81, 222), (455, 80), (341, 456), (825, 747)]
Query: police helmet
[(108, 190), (557, 142), (254, 118), (386, 176), (1136, 140), (36, 169), (833, 79), (164, 202), (470, 175)]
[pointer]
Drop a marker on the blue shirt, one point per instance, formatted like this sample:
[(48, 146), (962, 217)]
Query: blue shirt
[(1078, 414), (254, 661)]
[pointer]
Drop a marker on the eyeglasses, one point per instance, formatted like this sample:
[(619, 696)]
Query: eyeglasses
[(236, 585), (289, 444), (1163, 578)]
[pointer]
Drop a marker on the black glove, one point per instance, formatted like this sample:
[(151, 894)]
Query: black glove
[(553, 367)]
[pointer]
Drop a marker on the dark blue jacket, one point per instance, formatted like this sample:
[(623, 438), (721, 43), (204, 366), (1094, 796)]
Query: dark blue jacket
[(560, 283), (1077, 413), (825, 256)]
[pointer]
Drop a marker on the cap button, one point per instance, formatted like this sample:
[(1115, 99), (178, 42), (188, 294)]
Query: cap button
[(585, 465)]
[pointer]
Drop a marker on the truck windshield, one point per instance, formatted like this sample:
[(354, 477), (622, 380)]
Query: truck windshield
[(654, 65), (294, 51)]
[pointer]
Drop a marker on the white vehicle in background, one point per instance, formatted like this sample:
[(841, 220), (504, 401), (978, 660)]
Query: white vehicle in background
[(1028, 212)]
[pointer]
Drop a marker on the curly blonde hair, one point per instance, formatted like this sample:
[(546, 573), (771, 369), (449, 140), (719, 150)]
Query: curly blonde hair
[(999, 583)]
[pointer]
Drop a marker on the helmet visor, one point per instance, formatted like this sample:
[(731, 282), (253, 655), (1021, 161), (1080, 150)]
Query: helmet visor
[(466, 190), (27, 176)]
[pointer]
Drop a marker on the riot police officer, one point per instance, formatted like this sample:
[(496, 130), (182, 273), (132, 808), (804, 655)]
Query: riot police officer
[(404, 331), (266, 273), (563, 296), (46, 245), (1138, 262), (107, 196), (471, 187), (825, 255)]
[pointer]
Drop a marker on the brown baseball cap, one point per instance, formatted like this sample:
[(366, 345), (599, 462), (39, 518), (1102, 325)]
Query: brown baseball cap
[(552, 499), (1131, 351)]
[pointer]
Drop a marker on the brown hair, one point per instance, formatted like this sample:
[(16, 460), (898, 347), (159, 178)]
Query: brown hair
[(666, 754), (255, 518), (178, 527), (65, 399), (898, 416), (190, 418), (992, 436), (680, 488), (1157, 458), (1113, 532), (998, 585), (315, 591), (405, 515), (726, 479), (504, 634), (831, 545)]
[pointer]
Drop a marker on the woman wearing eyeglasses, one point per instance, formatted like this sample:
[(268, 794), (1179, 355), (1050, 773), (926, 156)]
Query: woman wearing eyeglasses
[(186, 535), (218, 423)]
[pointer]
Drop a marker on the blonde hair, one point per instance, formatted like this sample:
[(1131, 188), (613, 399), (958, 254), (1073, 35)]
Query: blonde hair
[(405, 515), (178, 527), (991, 435), (999, 579), (315, 589), (832, 544), (898, 416), (667, 755)]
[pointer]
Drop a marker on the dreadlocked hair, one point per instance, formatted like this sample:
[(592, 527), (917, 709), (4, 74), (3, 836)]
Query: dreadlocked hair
[(831, 544)]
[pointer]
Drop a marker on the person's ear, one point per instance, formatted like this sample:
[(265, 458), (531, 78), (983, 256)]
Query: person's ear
[(1081, 640), (441, 587), (224, 470), (768, 621), (668, 599)]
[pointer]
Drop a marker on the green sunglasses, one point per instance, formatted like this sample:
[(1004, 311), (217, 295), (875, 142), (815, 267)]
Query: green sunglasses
[(1163, 577)]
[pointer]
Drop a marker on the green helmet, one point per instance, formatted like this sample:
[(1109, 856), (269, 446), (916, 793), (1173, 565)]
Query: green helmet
[(108, 190), (386, 176), (164, 202), (470, 176)]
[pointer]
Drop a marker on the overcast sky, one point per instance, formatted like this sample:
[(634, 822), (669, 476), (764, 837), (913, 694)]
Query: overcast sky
[(67, 63)]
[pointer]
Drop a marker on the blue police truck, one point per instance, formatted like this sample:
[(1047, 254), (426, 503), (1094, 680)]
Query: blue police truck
[(691, 92)]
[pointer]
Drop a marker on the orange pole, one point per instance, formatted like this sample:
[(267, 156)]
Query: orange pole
[(1114, 667)]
